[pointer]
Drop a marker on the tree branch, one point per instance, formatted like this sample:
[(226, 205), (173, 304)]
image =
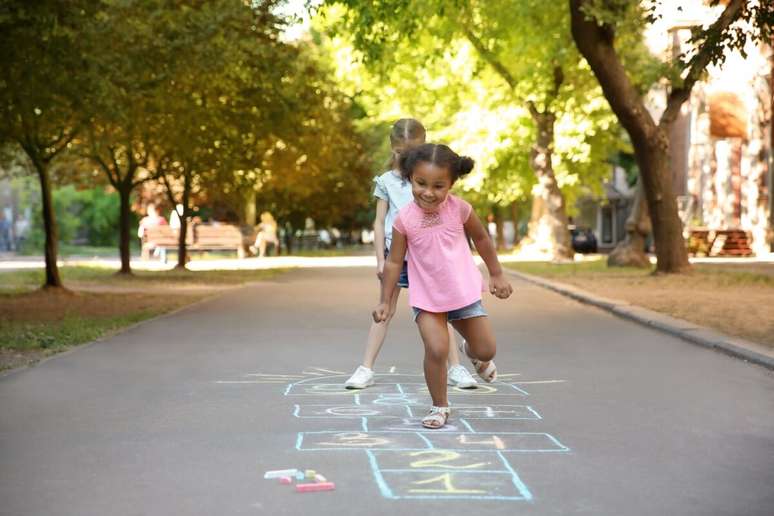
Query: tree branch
[(701, 60), (489, 57), (113, 181), (595, 43), (533, 110)]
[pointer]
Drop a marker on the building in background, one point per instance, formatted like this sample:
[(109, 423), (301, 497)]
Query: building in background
[(720, 143)]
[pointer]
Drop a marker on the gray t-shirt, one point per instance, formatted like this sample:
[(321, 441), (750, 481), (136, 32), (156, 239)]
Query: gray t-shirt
[(392, 188)]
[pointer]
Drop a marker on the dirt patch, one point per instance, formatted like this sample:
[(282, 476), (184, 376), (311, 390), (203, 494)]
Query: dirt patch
[(48, 306), (730, 302), (13, 358), (36, 324)]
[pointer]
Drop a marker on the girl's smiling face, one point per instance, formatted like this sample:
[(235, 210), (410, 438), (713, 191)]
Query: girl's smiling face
[(430, 185)]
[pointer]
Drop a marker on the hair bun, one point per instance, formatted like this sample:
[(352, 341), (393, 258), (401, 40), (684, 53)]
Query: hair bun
[(465, 165)]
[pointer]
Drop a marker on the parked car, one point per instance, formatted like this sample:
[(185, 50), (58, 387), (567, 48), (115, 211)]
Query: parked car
[(583, 240)]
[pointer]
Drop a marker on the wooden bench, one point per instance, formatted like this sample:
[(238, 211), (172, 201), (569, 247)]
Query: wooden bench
[(218, 237), (199, 237), (719, 242)]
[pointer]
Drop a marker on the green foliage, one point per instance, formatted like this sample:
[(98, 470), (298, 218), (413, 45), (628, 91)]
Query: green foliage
[(467, 70), (40, 49), (87, 216)]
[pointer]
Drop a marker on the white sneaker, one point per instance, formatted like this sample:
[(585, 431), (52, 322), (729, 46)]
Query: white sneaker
[(360, 379), (460, 377)]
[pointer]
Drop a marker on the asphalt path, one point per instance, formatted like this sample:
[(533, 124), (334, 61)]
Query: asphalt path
[(184, 414)]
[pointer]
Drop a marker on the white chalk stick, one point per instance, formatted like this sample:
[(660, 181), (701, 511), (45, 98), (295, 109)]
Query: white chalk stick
[(320, 478), (280, 473)]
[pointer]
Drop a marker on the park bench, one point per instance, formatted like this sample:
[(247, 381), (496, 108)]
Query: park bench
[(719, 242), (218, 237), (199, 237)]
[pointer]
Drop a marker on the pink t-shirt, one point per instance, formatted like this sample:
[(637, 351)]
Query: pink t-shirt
[(442, 274)]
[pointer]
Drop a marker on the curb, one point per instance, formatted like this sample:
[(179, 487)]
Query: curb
[(694, 333)]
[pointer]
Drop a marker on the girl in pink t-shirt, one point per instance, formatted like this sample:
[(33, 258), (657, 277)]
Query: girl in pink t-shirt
[(445, 283)]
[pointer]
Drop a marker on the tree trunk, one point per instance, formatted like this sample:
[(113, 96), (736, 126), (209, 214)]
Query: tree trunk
[(631, 252), (250, 211), (515, 217), (124, 234), (499, 224), (547, 231), (182, 250), (288, 238), (653, 161), (53, 280), (651, 145)]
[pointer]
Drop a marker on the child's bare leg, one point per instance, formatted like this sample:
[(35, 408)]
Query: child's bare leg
[(454, 356), (435, 335), (477, 331), (378, 332)]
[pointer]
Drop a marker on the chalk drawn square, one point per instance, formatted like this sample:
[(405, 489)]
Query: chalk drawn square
[(329, 440), (410, 424), (490, 389), (439, 460), (495, 412), (351, 411), (501, 483), (527, 442), (338, 389)]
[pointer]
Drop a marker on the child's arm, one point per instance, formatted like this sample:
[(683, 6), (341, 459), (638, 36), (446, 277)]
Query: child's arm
[(381, 213), (392, 268), (498, 285)]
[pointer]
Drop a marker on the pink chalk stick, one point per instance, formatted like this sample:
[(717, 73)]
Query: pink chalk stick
[(321, 486), (285, 480)]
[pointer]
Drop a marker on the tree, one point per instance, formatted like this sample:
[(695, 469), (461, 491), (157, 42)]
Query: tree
[(43, 76), (134, 51), (595, 25), (222, 101), (526, 49)]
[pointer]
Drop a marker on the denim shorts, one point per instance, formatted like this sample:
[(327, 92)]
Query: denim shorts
[(466, 312), (403, 278)]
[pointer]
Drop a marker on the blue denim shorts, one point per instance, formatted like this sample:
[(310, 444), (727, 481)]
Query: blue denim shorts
[(403, 278), (466, 312)]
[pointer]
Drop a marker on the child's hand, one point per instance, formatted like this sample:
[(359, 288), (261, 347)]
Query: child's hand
[(500, 287), (381, 312), (380, 269)]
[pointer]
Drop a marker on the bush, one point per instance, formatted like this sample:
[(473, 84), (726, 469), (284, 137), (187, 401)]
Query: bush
[(82, 216)]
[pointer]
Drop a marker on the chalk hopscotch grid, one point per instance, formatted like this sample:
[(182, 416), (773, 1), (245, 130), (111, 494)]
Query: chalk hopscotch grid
[(403, 397)]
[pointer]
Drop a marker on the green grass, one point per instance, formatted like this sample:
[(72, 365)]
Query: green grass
[(70, 331), (585, 268), (335, 251), (718, 274), (20, 280), (67, 250)]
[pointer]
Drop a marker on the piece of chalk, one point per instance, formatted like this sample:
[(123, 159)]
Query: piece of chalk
[(299, 475), (323, 486), (285, 480), (280, 473), (320, 478), (310, 473)]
